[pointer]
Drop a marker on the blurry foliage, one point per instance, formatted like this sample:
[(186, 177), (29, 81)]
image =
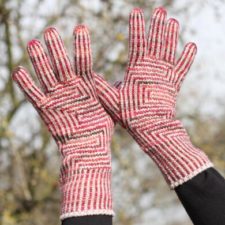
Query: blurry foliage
[(29, 161)]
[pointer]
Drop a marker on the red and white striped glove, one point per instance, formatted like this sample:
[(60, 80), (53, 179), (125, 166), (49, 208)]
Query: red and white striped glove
[(145, 102), (77, 121)]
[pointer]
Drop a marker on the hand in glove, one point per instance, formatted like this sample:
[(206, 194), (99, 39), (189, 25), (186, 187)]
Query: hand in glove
[(70, 109), (144, 103)]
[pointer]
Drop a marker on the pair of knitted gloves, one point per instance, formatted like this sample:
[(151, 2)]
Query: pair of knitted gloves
[(80, 109)]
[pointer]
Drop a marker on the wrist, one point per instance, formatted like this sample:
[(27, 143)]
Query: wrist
[(86, 192), (85, 179), (169, 145)]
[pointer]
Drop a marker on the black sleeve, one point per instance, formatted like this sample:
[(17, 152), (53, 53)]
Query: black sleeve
[(203, 197), (88, 220)]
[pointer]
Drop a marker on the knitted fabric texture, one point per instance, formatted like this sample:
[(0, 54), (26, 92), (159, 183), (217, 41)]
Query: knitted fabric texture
[(145, 102), (77, 121)]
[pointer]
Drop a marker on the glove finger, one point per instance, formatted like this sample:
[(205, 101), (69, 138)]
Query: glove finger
[(26, 84), (108, 96), (82, 51), (41, 65), (137, 39), (156, 33), (117, 84), (58, 54), (171, 40), (184, 63)]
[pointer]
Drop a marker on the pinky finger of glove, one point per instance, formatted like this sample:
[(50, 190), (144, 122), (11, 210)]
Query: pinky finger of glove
[(184, 63), (26, 84)]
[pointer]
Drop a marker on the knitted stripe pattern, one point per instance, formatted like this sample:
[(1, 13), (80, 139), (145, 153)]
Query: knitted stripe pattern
[(145, 102), (77, 121)]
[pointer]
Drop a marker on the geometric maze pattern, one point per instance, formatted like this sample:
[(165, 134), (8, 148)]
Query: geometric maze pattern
[(77, 121), (144, 103), (147, 100), (148, 97)]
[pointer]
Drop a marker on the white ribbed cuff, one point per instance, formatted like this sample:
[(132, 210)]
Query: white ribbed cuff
[(191, 175), (87, 213), (86, 193)]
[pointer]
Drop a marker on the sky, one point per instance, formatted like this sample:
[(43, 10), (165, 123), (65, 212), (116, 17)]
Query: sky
[(206, 80)]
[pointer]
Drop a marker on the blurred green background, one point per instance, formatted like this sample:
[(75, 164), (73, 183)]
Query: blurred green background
[(29, 160)]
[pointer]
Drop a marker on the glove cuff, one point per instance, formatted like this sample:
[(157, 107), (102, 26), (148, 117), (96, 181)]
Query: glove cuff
[(169, 145), (86, 192)]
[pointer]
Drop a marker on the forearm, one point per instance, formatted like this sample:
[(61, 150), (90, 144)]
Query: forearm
[(89, 220), (203, 197), (168, 144)]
